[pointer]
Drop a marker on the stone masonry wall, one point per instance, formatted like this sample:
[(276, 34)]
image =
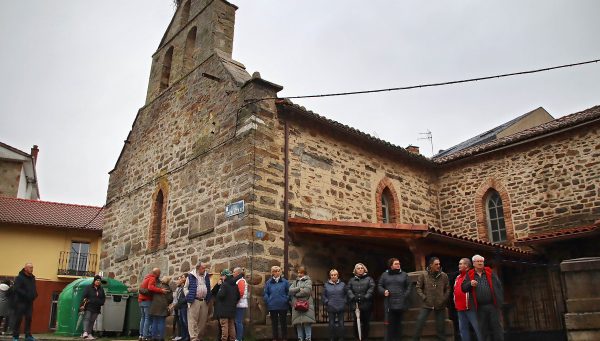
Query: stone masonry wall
[(547, 185), (10, 175), (177, 131)]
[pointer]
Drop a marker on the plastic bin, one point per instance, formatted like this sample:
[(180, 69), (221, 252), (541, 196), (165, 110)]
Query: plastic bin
[(132, 316), (69, 321)]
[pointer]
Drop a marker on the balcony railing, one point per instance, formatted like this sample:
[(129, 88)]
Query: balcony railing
[(77, 264)]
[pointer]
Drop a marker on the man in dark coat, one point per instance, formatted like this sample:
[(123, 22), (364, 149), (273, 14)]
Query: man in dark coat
[(394, 285), (94, 297), (434, 289), (227, 295), (487, 296), (24, 294)]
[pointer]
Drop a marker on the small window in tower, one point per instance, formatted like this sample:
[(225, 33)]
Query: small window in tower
[(185, 13), (495, 217), (166, 69), (190, 49)]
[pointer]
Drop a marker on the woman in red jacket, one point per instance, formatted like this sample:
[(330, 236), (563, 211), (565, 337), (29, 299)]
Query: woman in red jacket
[(466, 315)]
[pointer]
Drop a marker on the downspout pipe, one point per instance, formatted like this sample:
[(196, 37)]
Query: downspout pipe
[(286, 237)]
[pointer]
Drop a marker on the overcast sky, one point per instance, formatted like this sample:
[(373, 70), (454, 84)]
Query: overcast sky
[(74, 73)]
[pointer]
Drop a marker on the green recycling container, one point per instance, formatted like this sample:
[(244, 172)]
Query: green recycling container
[(132, 315), (69, 321)]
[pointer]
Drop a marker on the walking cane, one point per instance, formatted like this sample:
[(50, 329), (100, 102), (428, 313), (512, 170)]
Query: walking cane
[(357, 312)]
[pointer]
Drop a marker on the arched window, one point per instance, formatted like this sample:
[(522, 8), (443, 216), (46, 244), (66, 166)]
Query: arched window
[(495, 217), (185, 13), (157, 229), (385, 205), (190, 49), (166, 69)]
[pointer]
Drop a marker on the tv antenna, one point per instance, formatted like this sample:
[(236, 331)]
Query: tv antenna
[(427, 136)]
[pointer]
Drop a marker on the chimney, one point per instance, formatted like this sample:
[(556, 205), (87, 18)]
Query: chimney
[(413, 149), (34, 153)]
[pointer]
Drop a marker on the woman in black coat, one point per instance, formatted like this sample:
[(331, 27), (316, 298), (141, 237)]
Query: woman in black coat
[(94, 297), (227, 295), (360, 290)]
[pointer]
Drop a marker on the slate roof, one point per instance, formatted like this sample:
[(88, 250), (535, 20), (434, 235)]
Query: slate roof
[(570, 233), (556, 125), (487, 136), (52, 214)]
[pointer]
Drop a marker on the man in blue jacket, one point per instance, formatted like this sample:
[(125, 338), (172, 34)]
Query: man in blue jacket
[(276, 298), (197, 294)]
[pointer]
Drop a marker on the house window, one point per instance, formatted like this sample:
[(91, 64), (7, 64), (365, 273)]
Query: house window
[(495, 217), (385, 206), (158, 221), (78, 257)]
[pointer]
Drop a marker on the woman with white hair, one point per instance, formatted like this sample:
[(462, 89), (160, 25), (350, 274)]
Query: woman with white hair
[(360, 292)]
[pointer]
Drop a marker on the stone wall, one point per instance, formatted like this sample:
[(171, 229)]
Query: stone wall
[(10, 175), (546, 185)]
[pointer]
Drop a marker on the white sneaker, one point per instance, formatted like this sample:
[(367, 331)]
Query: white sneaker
[(177, 338), (85, 335), (90, 337)]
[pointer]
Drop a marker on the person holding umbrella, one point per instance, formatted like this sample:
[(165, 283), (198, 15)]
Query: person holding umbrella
[(94, 297), (360, 292)]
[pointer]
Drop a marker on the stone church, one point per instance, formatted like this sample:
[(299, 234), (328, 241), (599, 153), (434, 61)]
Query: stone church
[(217, 169)]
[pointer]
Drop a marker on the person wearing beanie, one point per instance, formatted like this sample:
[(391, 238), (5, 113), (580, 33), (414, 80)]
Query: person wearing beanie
[(92, 301), (227, 296)]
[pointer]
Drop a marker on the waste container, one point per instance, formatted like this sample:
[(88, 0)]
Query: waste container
[(112, 314), (69, 321), (132, 315)]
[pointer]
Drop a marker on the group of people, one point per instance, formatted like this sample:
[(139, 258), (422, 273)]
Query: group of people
[(16, 303), (189, 302), (477, 294)]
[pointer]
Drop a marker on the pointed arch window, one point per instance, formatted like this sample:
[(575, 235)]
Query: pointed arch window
[(185, 13), (495, 217), (158, 225), (190, 49), (385, 206), (166, 69)]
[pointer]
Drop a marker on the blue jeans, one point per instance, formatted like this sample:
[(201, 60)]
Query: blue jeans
[(239, 323), (183, 324), (145, 319), (158, 327), (465, 318), (304, 331)]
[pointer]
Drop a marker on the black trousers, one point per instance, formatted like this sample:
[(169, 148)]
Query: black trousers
[(278, 320), (393, 325), (488, 318), (365, 323), (22, 311)]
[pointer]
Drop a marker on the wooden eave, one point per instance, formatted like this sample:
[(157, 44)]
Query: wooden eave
[(356, 229)]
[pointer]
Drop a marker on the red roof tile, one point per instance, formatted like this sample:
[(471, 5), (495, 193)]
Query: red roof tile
[(434, 231), (45, 213), (575, 232)]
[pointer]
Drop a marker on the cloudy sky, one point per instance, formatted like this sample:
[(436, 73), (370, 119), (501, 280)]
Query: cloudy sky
[(74, 73)]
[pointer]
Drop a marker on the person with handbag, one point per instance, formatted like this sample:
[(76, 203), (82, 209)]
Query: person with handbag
[(147, 289), (334, 300), (92, 302), (179, 306), (303, 308)]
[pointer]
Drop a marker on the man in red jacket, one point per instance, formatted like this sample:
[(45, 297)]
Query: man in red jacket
[(147, 289), (487, 298), (466, 313)]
